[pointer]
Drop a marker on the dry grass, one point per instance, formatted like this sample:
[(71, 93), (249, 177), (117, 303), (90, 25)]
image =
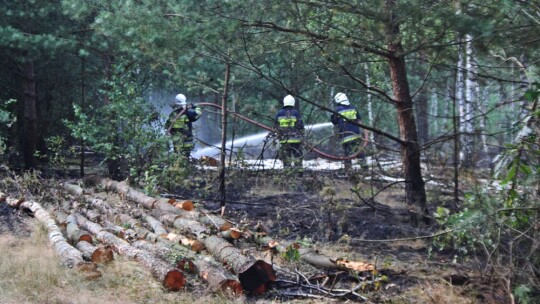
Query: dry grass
[(439, 293), (30, 273)]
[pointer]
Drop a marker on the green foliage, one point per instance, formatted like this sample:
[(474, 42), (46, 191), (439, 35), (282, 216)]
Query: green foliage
[(59, 152), (291, 253), (128, 132), (522, 294), (502, 221)]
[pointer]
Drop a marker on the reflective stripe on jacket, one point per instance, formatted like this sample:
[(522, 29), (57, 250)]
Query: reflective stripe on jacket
[(184, 123), (347, 131), (289, 125)]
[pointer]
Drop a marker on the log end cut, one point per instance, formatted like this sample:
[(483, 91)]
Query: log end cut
[(102, 255), (258, 277), (174, 280), (187, 265), (232, 288), (197, 246)]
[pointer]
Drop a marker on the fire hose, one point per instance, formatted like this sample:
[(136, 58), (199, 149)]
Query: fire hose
[(263, 126)]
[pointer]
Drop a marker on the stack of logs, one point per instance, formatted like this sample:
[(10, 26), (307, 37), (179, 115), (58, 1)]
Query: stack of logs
[(175, 229)]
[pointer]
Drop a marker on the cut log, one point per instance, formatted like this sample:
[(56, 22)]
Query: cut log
[(217, 278), (124, 189), (186, 226), (193, 245), (164, 207), (171, 278), (127, 221), (312, 256), (74, 234), (187, 205), (99, 204), (231, 234), (215, 221), (255, 275), (121, 232), (69, 255), (60, 218), (73, 189), (99, 255), (156, 225)]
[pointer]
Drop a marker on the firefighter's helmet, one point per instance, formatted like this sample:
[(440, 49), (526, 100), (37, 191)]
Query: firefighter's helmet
[(180, 100), (342, 99), (288, 101)]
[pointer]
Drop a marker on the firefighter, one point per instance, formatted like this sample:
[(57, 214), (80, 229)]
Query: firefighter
[(290, 132), (350, 134), (180, 124)]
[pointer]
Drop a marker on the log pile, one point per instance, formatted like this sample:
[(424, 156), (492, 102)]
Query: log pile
[(172, 239)]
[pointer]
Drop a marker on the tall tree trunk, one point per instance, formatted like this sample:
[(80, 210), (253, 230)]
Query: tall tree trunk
[(410, 150), (434, 112), (468, 113), (222, 190), (83, 105), (460, 97), (370, 107), (30, 136), (422, 110)]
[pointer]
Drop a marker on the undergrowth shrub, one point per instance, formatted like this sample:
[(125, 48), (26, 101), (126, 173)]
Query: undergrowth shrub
[(129, 133), (500, 221)]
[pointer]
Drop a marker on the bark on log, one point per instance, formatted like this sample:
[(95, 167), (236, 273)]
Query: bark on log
[(193, 245), (156, 225), (73, 189), (215, 221), (96, 203), (69, 255), (61, 219), (171, 278), (184, 205), (145, 234), (124, 189), (255, 275), (99, 255), (126, 220), (74, 234), (231, 234), (189, 227), (312, 256), (217, 278), (164, 207), (121, 232)]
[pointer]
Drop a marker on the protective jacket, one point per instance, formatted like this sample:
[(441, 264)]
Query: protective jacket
[(289, 125), (347, 131), (183, 124)]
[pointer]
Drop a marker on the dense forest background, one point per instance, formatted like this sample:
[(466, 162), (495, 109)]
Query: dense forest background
[(446, 86)]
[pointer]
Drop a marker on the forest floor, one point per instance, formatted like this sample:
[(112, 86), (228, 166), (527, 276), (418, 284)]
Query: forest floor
[(341, 216)]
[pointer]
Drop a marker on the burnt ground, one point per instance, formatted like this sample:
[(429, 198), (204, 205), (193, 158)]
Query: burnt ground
[(347, 216), (319, 209)]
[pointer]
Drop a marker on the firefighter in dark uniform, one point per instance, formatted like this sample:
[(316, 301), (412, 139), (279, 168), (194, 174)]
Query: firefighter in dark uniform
[(350, 134), (180, 125), (290, 133)]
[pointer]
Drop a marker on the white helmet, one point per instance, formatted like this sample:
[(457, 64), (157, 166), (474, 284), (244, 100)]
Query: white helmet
[(342, 99), (288, 101), (180, 100)]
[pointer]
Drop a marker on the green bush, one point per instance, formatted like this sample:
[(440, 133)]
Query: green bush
[(499, 221)]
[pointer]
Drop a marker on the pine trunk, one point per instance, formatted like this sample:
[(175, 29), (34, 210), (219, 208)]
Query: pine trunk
[(410, 150), (30, 136)]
